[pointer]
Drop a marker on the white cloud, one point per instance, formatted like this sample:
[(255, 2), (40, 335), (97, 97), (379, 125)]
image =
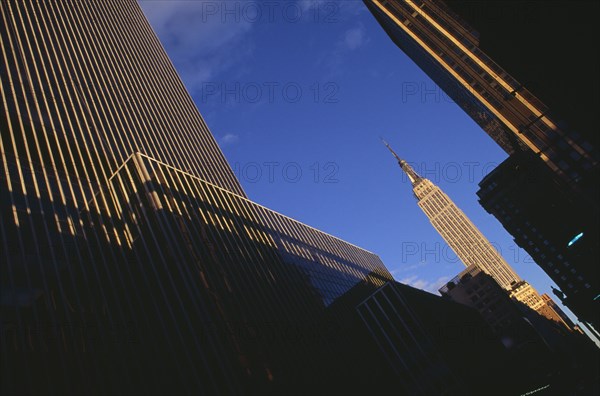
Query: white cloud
[(307, 5), (229, 138), (412, 267), (198, 40), (406, 281), (430, 286), (350, 40), (354, 38), (331, 10)]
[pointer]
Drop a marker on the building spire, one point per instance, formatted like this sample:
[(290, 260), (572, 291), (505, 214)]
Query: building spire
[(410, 172)]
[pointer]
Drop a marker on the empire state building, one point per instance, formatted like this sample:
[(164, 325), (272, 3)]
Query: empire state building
[(458, 231)]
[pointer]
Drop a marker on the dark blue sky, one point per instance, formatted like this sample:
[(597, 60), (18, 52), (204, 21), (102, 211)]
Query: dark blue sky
[(298, 93)]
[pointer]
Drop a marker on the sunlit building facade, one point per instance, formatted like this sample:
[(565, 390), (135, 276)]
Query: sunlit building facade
[(463, 237), (469, 244), (524, 293), (447, 49), (563, 318), (131, 259)]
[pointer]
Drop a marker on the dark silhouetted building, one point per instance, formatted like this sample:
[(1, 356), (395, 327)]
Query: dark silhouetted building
[(528, 327), (476, 289), (522, 194), (544, 353), (429, 342), (544, 51)]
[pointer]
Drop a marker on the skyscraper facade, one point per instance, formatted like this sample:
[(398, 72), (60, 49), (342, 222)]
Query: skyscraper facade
[(543, 50), (469, 244), (97, 97), (131, 259), (447, 49)]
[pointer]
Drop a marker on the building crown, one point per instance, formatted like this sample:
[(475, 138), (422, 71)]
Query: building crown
[(413, 176)]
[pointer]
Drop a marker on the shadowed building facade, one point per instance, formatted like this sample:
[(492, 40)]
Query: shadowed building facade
[(191, 289), (522, 194), (429, 341), (544, 51), (542, 347), (131, 259)]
